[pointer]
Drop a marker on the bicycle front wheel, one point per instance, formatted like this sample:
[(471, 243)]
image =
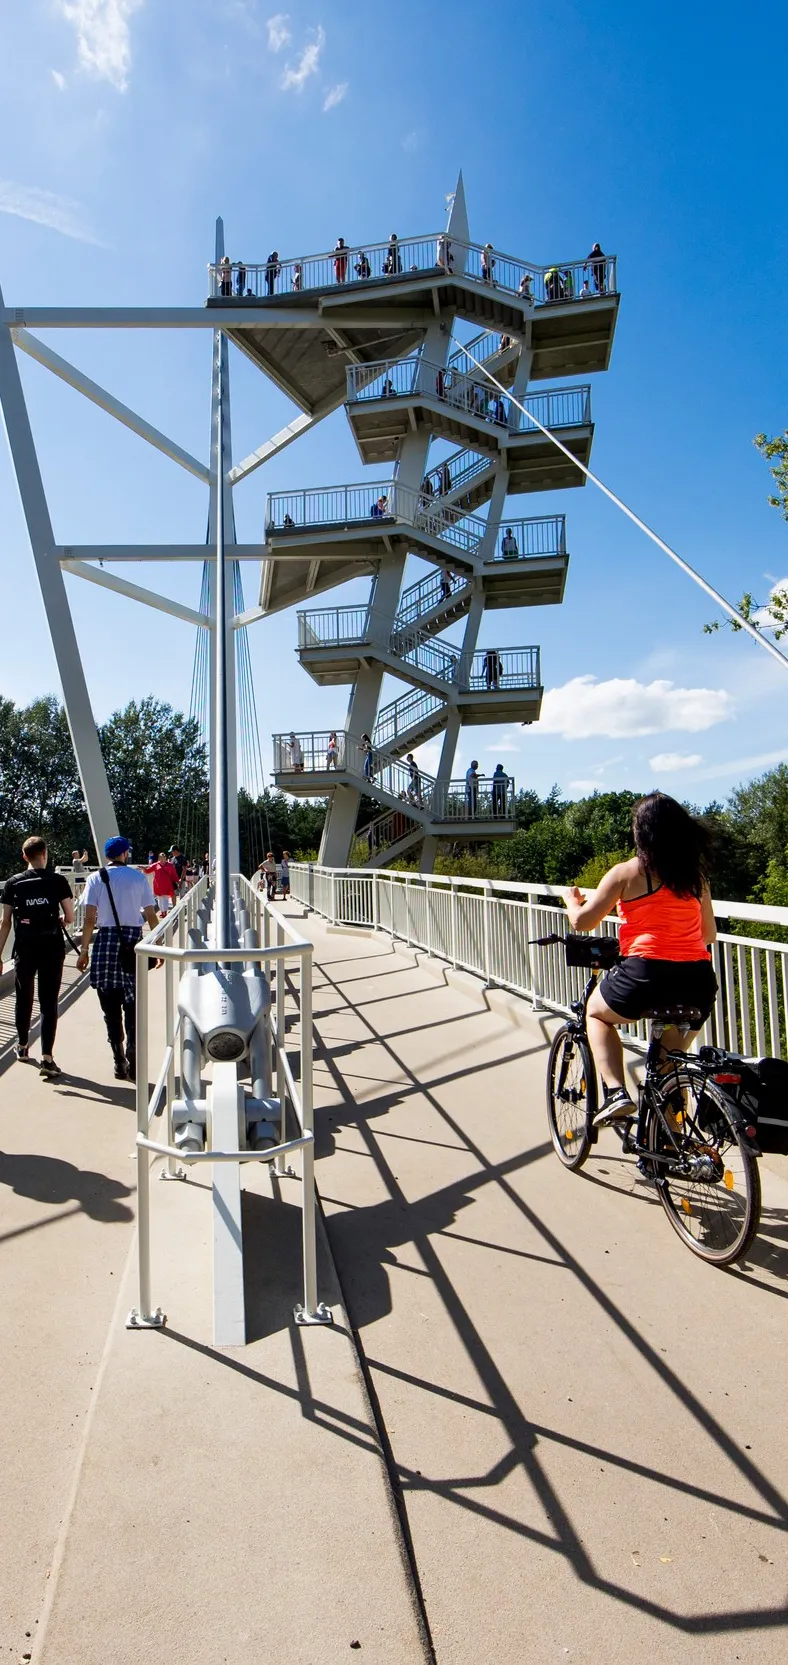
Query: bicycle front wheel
[(708, 1182), (571, 1097)]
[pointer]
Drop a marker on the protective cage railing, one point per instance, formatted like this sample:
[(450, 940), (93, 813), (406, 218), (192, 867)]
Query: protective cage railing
[(433, 253), (487, 926), (282, 950), (561, 407), (372, 504), (452, 800)]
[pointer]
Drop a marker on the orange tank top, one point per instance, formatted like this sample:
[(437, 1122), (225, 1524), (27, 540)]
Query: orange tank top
[(662, 926)]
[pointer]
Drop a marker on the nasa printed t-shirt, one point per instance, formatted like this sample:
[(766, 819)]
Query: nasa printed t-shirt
[(34, 897)]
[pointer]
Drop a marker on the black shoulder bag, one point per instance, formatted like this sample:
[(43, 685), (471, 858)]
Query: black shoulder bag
[(127, 958)]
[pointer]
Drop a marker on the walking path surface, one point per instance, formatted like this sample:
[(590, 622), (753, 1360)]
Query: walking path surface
[(583, 1423), (586, 1422)]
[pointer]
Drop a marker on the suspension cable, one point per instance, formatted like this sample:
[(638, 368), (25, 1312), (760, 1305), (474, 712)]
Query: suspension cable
[(660, 542)]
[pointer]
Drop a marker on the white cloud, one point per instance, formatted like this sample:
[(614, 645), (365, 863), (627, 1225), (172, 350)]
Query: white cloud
[(307, 63), (622, 708), (27, 202), (744, 765), (278, 33), (664, 763), (583, 786), (103, 36), (334, 95), (59, 80)]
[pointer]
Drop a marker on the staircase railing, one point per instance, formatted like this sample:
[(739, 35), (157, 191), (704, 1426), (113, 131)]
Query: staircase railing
[(434, 591), (375, 504), (561, 407), (360, 626), (489, 344), (457, 471), (402, 715), (523, 539), (484, 798)]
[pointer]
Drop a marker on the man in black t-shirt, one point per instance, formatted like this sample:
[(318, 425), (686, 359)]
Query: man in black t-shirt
[(33, 902)]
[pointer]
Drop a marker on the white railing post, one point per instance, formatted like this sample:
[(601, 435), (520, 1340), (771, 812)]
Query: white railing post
[(375, 901), (143, 1316), (170, 969), (453, 925), (333, 897), (280, 1163), (312, 1311), (486, 930)]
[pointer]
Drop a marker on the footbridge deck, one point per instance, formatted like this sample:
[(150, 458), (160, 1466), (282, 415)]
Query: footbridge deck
[(581, 1423)]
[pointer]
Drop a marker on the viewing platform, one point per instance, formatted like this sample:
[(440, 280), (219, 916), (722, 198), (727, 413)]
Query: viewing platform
[(334, 642), (355, 300), (393, 398), (481, 810), (312, 536)]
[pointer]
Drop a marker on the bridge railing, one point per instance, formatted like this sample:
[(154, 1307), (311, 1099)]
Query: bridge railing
[(400, 258), (560, 407), (487, 926)]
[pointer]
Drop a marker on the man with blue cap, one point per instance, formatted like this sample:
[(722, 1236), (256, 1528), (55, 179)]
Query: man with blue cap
[(118, 897)]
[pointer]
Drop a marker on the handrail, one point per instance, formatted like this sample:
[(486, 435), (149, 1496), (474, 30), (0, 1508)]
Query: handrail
[(377, 504), (453, 800), (433, 253), (361, 626), (418, 378)]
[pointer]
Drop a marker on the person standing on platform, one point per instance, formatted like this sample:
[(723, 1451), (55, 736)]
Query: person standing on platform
[(284, 875), (33, 902), (332, 751), (296, 754), (488, 264), (297, 280), (272, 270), (392, 265), (500, 787), (472, 788), (180, 863), (240, 278), (268, 871), (509, 550), (225, 276), (362, 267), (598, 264), (116, 898), (414, 781), (340, 261)]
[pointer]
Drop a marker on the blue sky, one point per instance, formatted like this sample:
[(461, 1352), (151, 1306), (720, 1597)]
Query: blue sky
[(127, 125)]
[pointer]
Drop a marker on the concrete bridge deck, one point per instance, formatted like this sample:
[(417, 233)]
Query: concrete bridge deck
[(539, 1430)]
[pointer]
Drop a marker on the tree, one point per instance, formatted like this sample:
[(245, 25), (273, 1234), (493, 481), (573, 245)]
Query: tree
[(155, 762), (777, 448), (772, 614)]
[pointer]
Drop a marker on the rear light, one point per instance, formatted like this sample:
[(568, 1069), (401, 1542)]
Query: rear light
[(751, 1132), (726, 1080)]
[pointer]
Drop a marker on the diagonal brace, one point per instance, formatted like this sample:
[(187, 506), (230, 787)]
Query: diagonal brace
[(36, 349), (136, 592)]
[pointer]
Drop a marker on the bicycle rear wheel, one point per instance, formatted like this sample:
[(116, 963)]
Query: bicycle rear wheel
[(711, 1192), (571, 1097)]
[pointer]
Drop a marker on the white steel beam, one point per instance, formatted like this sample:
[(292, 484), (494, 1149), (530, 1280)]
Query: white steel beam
[(151, 598), (264, 317), (81, 721), (153, 552), (106, 401), (272, 446)]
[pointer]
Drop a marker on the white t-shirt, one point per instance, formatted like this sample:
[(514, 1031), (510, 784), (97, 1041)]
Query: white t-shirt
[(131, 892)]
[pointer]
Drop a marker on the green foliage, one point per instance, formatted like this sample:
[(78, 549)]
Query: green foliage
[(155, 761), (39, 784), (777, 449), (597, 866)]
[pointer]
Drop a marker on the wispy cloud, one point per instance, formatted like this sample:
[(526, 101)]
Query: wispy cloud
[(103, 36), (296, 76), (59, 80), (743, 765), (665, 763), (334, 96), (278, 32), (28, 202)]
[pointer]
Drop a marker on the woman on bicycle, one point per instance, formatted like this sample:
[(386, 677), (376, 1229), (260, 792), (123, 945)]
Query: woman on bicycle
[(663, 901)]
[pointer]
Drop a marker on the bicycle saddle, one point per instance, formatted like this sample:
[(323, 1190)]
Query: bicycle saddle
[(676, 1016)]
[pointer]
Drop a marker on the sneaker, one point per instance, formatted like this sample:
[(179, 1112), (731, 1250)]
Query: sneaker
[(22, 1053), (131, 1067), (618, 1107), (49, 1069), (120, 1066)]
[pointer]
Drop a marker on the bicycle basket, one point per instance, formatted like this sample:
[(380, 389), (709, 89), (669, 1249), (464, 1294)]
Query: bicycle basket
[(592, 953)]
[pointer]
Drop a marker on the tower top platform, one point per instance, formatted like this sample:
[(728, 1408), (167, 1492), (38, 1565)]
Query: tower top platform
[(383, 297)]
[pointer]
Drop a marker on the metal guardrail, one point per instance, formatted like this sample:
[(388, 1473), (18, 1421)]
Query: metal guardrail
[(428, 594), (403, 714), (400, 258), (487, 926), (280, 946), (561, 407), (457, 471), (518, 667), (455, 800), (380, 504)]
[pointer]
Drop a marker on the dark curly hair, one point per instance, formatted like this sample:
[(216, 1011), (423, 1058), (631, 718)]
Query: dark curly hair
[(671, 845)]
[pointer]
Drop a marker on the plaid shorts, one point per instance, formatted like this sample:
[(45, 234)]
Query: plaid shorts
[(105, 972)]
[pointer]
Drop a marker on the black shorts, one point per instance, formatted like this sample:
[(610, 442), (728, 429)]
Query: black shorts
[(635, 986)]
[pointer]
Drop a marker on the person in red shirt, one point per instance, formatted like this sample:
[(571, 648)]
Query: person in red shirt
[(165, 883)]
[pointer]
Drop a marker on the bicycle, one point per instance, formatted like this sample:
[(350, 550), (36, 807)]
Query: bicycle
[(692, 1138)]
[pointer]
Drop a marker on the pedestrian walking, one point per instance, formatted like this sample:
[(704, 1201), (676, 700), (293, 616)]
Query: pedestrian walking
[(268, 870), (34, 902), (369, 758), (164, 876), (180, 863), (500, 787), (116, 899), (414, 781), (492, 669), (284, 875), (472, 788), (272, 270)]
